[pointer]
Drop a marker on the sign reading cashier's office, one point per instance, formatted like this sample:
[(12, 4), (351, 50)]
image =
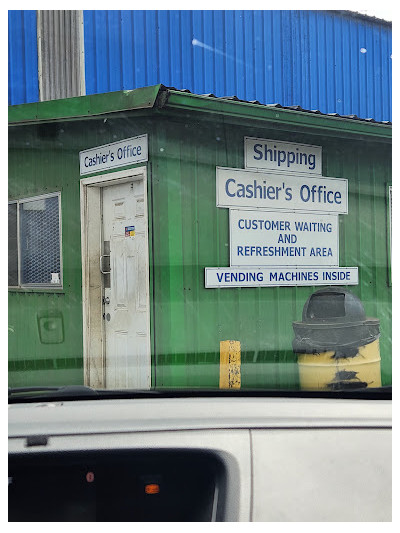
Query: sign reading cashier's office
[(283, 218), (118, 154)]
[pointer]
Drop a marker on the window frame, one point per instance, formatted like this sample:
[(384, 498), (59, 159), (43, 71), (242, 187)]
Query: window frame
[(48, 286), (389, 232), (11, 202)]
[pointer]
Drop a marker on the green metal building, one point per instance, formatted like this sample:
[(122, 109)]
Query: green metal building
[(63, 186)]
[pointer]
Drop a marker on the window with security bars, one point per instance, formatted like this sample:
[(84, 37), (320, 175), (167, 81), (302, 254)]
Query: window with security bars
[(34, 242)]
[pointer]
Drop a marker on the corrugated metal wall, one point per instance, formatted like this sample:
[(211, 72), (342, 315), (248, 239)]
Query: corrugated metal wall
[(60, 36), (23, 82), (316, 59)]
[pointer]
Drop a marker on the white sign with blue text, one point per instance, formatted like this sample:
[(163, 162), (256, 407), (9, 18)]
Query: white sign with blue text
[(237, 188), (271, 238), (230, 277), (269, 154), (283, 218), (119, 154)]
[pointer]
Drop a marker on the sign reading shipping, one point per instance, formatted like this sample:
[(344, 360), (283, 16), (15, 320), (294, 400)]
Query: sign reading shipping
[(269, 154)]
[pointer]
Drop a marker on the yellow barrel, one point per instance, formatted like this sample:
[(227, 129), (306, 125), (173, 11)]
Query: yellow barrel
[(321, 371), (337, 346)]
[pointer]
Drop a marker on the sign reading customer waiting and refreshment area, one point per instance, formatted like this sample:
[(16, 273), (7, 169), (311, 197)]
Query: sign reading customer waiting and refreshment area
[(269, 238)]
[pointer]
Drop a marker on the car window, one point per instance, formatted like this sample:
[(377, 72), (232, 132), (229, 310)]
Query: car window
[(199, 200)]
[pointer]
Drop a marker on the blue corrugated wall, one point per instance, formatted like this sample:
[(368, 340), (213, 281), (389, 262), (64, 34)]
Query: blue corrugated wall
[(333, 62), (315, 59), (23, 80)]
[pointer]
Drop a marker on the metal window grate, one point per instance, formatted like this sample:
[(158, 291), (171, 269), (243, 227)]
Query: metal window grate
[(40, 261)]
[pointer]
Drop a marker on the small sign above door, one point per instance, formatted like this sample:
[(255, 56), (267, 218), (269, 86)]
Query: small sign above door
[(119, 154)]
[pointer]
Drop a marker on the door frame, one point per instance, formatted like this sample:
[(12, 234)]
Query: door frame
[(94, 369)]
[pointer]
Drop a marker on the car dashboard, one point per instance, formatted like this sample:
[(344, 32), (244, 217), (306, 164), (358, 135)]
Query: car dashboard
[(200, 459)]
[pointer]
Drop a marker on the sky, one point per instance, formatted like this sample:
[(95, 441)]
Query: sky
[(386, 14)]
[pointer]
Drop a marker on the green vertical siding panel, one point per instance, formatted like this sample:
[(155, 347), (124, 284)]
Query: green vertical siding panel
[(151, 261), (32, 361), (189, 262), (381, 174), (176, 314), (174, 264), (210, 323), (230, 308), (367, 168), (162, 316)]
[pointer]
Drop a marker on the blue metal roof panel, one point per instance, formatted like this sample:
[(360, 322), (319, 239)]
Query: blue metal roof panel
[(332, 61), (23, 79)]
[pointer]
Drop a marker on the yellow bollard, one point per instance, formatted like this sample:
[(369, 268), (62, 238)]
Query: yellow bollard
[(229, 366)]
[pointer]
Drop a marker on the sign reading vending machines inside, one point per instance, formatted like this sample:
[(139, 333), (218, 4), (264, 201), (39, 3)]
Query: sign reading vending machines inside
[(276, 277), (284, 224)]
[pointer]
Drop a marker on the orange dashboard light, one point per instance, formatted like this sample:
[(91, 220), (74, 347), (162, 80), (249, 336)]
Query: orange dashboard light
[(152, 488)]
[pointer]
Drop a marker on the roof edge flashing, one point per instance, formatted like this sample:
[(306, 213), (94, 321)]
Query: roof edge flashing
[(80, 107), (274, 113), (164, 99)]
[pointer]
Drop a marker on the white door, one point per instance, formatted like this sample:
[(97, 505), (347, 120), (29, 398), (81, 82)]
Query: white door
[(124, 264)]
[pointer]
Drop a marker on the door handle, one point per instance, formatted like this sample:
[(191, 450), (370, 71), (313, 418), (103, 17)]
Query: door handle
[(101, 264)]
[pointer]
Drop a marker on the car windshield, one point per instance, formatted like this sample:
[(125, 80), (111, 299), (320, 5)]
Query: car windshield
[(199, 201)]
